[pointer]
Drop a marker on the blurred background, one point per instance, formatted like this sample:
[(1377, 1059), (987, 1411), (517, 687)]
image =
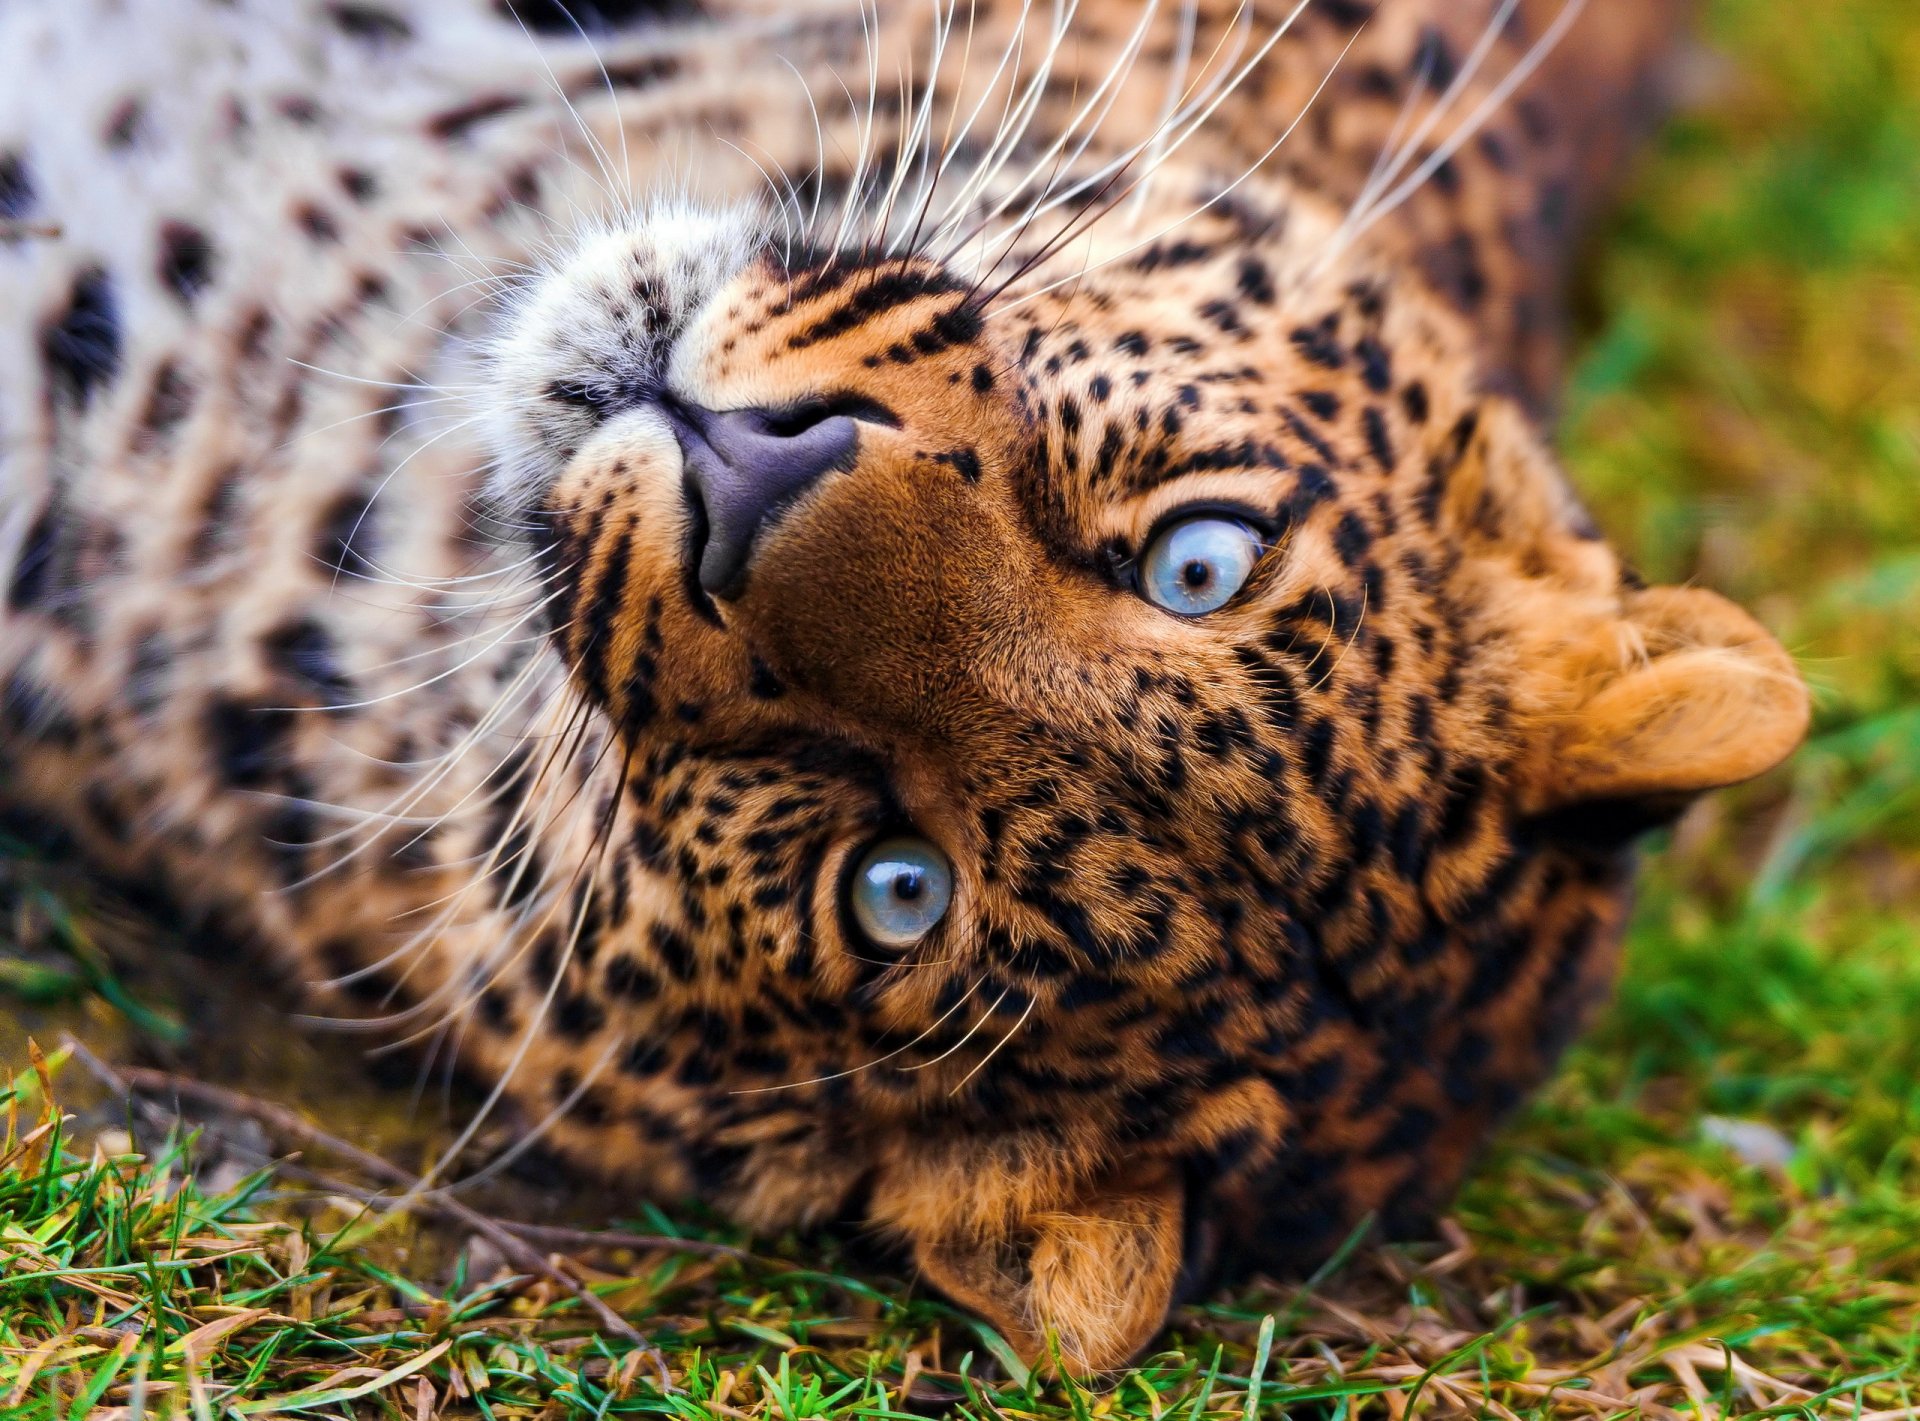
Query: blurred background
[(1735, 1152)]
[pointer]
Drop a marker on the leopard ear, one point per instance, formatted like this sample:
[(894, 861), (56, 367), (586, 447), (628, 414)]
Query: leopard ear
[(1683, 694), (1094, 1277)]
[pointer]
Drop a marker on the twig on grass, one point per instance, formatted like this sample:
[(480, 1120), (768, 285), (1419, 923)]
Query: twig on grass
[(289, 1125)]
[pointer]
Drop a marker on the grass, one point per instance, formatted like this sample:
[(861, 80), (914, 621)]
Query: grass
[(1714, 1209)]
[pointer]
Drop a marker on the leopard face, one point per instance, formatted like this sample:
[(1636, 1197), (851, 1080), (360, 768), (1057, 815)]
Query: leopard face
[(1140, 772)]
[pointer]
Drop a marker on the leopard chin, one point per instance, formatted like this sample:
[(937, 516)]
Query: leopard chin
[(1010, 662)]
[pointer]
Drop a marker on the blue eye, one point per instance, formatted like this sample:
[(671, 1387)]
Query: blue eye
[(900, 891), (1196, 565)]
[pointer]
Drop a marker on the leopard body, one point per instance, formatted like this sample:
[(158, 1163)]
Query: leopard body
[(347, 590)]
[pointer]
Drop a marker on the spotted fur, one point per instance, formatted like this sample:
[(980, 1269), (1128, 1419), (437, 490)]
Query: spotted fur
[(348, 593)]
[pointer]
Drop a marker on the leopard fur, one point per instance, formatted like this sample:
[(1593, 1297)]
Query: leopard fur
[(347, 591)]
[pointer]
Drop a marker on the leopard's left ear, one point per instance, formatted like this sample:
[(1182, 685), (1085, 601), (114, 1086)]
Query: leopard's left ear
[(1682, 694)]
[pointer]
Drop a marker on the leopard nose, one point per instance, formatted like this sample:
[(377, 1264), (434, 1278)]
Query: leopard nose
[(744, 469)]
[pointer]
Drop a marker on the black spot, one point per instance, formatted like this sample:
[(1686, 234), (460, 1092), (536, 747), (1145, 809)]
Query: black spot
[(640, 73), (1324, 403), (627, 978), (1434, 60), (32, 582), (298, 109), (187, 260), (1348, 14), (1409, 1131), (674, 951), (1377, 440), (1256, 282), (168, 403), (982, 379), (1376, 367), (147, 673), (575, 1016), (569, 17), (249, 743), (456, 122), (1351, 538), (1317, 749), (1555, 208), (16, 188), (644, 1058), (317, 222), (1171, 254), (346, 538), (81, 348), (1318, 344), (304, 652), (371, 25), (123, 124), (1413, 400), (879, 294), (220, 512), (1313, 488), (1223, 316), (1453, 266), (36, 712), (359, 184), (762, 684), (496, 1008), (964, 462)]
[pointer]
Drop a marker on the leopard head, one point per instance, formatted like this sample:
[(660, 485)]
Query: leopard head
[(1124, 770)]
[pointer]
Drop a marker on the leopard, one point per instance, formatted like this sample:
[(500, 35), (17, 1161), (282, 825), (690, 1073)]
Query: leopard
[(957, 618)]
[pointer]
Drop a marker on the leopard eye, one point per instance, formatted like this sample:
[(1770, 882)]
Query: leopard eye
[(1196, 565), (900, 891)]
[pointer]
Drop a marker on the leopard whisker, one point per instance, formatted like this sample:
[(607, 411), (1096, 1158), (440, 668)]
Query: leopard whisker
[(970, 1033), (863, 126), (1398, 147), (1012, 1031), (1018, 117), (1358, 622), (1491, 104), (1009, 55), (602, 158), (426, 784), (936, 156), (914, 103), (1218, 197), (453, 670), (819, 144), (877, 1060), (1103, 97), (1176, 76), (523, 1143), (584, 878), (1197, 95), (1082, 223)]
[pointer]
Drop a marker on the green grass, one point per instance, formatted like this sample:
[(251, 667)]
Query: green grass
[(1746, 413)]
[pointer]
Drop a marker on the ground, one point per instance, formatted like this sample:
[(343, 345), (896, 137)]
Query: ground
[(1715, 1209)]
